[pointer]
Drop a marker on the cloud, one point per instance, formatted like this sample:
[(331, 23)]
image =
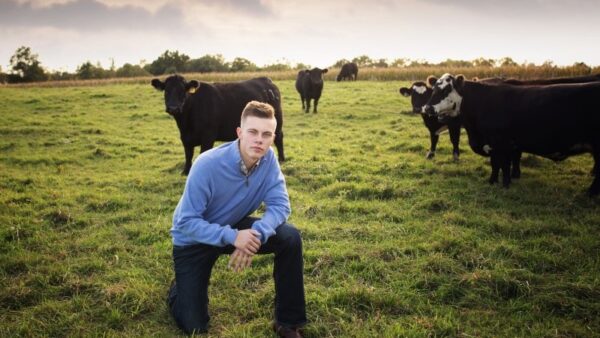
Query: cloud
[(89, 15)]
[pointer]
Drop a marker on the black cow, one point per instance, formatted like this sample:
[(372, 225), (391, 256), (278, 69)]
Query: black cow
[(212, 113), (553, 121), (419, 93), (309, 84), (349, 72)]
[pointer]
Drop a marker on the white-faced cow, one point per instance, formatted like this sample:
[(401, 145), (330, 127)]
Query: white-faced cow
[(309, 85), (212, 112), (349, 72), (553, 121), (419, 93)]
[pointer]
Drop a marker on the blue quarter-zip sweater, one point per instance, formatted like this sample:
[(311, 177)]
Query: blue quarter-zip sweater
[(217, 195)]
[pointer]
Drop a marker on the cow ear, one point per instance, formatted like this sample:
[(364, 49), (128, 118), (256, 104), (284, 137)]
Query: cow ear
[(191, 86), (460, 81), (324, 70), (405, 91), (158, 84), (431, 80)]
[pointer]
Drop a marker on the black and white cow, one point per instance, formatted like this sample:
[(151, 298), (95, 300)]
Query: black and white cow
[(419, 93), (553, 121), (212, 113), (309, 85)]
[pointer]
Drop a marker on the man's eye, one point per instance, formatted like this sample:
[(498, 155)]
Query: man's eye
[(252, 132)]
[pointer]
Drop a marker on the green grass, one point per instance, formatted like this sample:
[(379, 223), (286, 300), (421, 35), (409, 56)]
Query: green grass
[(395, 245)]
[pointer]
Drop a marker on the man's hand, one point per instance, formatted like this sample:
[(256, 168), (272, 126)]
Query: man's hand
[(247, 241), (239, 260)]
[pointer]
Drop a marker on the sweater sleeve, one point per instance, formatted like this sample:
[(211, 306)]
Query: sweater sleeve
[(188, 218), (276, 201)]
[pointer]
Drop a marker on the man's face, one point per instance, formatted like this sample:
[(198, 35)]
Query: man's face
[(256, 136)]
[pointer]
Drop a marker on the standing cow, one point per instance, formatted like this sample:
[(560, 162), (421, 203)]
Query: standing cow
[(212, 112), (309, 84), (419, 93), (349, 72), (554, 121)]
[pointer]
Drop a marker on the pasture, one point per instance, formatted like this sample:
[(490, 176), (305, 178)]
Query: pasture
[(395, 245)]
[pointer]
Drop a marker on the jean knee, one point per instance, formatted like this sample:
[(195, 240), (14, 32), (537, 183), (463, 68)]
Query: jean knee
[(291, 236)]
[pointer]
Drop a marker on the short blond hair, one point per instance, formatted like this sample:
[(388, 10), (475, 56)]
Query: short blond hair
[(258, 109)]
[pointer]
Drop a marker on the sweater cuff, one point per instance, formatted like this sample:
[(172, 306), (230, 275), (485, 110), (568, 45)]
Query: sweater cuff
[(230, 236)]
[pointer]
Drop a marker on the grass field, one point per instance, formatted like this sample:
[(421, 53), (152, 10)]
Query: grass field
[(395, 245)]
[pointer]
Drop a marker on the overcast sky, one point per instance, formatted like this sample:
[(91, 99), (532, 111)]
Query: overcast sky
[(67, 33)]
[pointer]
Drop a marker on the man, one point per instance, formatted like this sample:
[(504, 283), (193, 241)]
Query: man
[(225, 185)]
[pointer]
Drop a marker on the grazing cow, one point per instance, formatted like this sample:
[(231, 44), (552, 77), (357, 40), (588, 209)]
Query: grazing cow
[(553, 121), (212, 112), (419, 93), (349, 72), (309, 84)]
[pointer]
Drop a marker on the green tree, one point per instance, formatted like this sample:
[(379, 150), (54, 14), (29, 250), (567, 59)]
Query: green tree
[(455, 63), (363, 61), (381, 63), (89, 71), (242, 65), (482, 62), (129, 70), (207, 64), (168, 62), (26, 66), (401, 62), (507, 62), (339, 63)]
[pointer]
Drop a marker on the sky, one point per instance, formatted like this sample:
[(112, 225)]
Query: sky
[(66, 33)]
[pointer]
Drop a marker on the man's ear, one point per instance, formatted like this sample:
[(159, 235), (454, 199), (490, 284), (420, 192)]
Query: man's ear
[(431, 80), (405, 91), (158, 84), (238, 130)]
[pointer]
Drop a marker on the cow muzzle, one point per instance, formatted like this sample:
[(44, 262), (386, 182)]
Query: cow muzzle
[(428, 110), (173, 110)]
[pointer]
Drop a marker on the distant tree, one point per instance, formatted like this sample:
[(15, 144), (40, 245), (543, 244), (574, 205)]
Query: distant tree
[(482, 62), (242, 65), (301, 65), (581, 68), (402, 62), (339, 63), (168, 62), (419, 63), (275, 67), (455, 63), (380, 63), (363, 61), (207, 64), (89, 71), (26, 67), (61, 76), (507, 62), (129, 70)]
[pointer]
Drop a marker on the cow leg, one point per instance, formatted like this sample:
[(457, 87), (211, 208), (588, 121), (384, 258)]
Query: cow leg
[(516, 164), (495, 161), (189, 153), (434, 140), (279, 145), (505, 158), (455, 139), (302, 100), (595, 187), (316, 102), (307, 105)]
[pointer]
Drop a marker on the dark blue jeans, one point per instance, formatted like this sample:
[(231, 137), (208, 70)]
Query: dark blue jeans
[(188, 297)]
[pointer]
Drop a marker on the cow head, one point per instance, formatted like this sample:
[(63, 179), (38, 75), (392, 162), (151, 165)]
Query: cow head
[(176, 90), (446, 96), (419, 93), (316, 75)]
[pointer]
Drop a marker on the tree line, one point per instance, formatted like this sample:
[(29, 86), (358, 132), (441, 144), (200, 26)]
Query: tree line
[(25, 66)]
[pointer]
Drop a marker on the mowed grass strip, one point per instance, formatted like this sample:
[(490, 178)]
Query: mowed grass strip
[(395, 245)]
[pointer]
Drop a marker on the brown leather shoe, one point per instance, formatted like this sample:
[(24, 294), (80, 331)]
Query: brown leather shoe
[(287, 332)]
